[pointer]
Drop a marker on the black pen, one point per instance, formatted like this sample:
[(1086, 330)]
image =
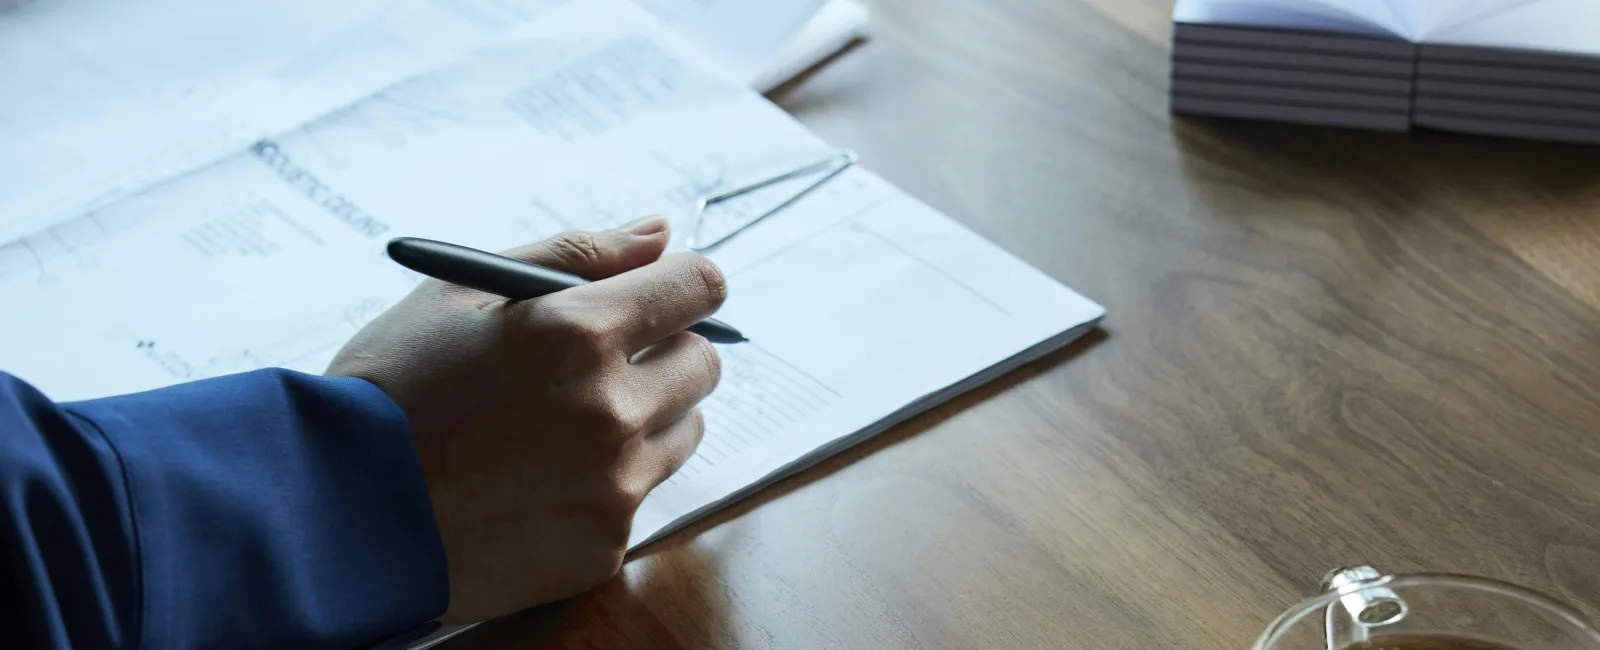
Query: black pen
[(509, 278)]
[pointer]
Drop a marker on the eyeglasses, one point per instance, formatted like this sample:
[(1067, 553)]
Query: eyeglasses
[(829, 168)]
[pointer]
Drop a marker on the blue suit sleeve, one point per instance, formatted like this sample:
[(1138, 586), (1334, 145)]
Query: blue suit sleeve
[(269, 509)]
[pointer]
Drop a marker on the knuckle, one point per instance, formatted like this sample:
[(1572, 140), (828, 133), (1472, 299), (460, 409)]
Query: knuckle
[(616, 516), (586, 330), (611, 412), (536, 252), (580, 337), (629, 491), (615, 507), (599, 424), (578, 250)]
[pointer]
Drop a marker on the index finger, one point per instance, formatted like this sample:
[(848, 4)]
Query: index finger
[(649, 304)]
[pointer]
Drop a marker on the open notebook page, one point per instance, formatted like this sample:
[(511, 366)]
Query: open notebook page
[(1555, 26), (1368, 17), (863, 305), (1547, 25), (1443, 15)]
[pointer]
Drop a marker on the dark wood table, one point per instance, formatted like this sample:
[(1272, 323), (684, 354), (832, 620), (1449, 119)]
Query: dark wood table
[(1323, 347)]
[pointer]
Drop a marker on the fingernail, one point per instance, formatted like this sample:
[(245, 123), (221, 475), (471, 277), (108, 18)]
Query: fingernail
[(651, 225)]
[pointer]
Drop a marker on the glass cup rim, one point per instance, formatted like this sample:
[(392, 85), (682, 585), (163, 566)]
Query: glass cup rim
[(1291, 616)]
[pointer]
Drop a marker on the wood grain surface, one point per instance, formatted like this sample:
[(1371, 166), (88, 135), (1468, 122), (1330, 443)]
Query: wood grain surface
[(1323, 347)]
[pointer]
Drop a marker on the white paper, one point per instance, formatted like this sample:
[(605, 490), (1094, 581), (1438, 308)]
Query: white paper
[(837, 24), (274, 258), (1366, 17), (744, 36), (105, 98), (108, 98), (1444, 15), (1556, 26), (1561, 26)]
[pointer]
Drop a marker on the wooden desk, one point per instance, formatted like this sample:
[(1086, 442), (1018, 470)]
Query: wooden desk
[(1323, 347)]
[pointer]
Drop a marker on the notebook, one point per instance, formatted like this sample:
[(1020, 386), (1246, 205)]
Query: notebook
[(106, 99), (1514, 68), (864, 306), (834, 27)]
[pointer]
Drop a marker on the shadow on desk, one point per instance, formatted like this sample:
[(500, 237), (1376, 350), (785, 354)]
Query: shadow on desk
[(1366, 212), (680, 578), (623, 613), (1406, 171), (893, 436)]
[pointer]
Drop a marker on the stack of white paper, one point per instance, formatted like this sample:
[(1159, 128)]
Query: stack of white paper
[(1292, 75), (1525, 68)]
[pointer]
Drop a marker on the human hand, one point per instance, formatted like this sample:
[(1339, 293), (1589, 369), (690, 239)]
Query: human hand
[(542, 424)]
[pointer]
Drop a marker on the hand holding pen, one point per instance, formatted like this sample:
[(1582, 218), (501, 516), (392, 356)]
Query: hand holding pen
[(564, 410)]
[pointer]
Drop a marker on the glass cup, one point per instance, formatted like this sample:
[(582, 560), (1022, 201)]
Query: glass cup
[(1362, 604)]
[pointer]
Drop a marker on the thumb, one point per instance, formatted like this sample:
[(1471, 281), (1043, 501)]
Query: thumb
[(596, 255)]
